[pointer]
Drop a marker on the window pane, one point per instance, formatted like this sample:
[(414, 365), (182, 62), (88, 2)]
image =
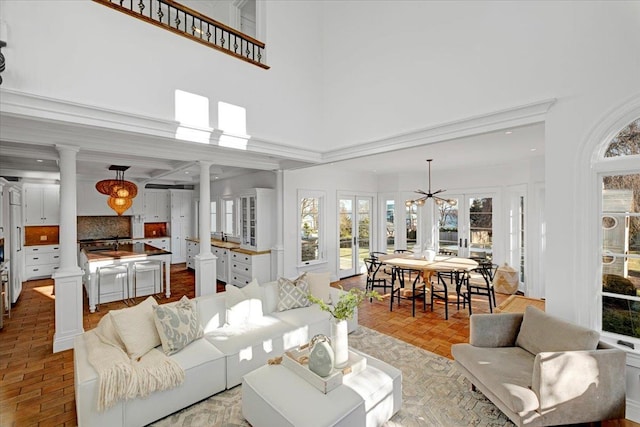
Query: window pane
[(309, 228), (620, 222), (627, 142), (391, 228), (229, 223), (214, 207)]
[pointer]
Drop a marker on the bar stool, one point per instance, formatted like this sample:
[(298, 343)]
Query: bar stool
[(120, 272), (154, 266)]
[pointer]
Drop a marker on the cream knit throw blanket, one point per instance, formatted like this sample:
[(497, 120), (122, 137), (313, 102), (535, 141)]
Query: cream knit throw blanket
[(119, 377)]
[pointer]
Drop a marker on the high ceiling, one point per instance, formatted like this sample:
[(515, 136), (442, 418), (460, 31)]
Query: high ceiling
[(36, 161)]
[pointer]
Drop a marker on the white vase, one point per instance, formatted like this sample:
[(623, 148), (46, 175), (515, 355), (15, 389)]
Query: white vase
[(429, 255), (340, 343)]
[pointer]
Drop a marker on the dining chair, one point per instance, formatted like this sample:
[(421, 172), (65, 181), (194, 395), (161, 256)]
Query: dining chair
[(401, 291), (376, 254), (440, 289), (376, 275), (479, 281)]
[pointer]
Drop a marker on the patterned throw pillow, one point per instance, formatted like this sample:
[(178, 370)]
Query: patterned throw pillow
[(293, 293), (178, 324)]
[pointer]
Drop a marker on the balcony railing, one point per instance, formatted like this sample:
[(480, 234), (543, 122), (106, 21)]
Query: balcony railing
[(193, 25)]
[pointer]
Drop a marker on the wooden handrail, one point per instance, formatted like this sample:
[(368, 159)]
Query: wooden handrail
[(251, 50)]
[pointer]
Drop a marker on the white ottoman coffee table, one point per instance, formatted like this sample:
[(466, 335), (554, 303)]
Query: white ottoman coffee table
[(273, 395)]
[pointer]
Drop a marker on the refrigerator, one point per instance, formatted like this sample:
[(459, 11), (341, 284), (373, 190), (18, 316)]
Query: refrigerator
[(16, 259)]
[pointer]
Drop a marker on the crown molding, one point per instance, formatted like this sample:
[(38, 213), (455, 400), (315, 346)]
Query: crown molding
[(511, 117), (22, 105)]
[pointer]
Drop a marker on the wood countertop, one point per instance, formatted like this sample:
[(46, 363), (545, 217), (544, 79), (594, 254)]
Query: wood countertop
[(229, 245), (125, 250)]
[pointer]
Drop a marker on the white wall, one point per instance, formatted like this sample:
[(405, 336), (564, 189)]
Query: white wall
[(413, 64), (331, 181), (84, 52)]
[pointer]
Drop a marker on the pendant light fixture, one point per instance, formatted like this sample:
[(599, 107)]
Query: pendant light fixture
[(120, 192), (428, 194)]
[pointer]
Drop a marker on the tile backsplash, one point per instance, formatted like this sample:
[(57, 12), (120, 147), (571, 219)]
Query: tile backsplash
[(104, 227), (155, 229)]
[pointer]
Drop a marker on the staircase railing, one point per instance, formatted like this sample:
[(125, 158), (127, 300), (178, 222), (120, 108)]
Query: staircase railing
[(193, 25)]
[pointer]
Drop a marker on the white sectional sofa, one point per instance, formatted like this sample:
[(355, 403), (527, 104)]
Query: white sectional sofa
[(213, 363)]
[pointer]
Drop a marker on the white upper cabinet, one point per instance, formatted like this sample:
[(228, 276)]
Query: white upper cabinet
[(257, 219), (90, 202), (42, 205), (156, 206)]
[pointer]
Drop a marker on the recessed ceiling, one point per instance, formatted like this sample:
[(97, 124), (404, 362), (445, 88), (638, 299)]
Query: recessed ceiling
[(490, 149)]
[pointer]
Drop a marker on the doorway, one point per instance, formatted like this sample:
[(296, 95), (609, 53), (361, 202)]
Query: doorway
[(354, 223)]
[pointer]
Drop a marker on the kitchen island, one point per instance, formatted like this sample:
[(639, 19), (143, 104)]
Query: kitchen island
[(125, 255)]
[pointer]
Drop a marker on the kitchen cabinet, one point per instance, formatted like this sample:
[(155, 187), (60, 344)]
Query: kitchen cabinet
[(193, 249), (245, 266), (163, 243), (89, 202), (41, 261), (156, 206), (42, 205), (222, 263), (181, 223), (257, 219)]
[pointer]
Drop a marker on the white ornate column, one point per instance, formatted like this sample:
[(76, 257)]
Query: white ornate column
[(277, 252), (205, 261), (68, 278)]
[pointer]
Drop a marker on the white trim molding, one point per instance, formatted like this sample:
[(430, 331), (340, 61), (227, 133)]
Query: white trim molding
[(511, 117)]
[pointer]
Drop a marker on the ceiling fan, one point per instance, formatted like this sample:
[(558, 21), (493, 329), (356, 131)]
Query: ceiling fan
[(428, 194)]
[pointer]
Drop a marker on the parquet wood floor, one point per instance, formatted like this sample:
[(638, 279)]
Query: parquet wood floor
[(36, 385)]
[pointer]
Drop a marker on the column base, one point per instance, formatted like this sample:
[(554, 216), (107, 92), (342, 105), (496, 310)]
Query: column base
[(206, 273), (68, 318)]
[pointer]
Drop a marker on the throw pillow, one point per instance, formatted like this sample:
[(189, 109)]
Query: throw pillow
[(136, 328), (293, 293), (542, 332), (243, 304), (178, 324), (319, 284), (107, 332)]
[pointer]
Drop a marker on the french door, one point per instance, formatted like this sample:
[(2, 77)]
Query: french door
[(354, 223), (466, 226)]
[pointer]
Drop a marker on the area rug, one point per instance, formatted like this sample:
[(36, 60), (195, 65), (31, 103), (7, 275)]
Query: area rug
[(433, 392)]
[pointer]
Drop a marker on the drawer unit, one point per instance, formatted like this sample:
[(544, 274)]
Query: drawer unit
[(41, 261), (163, 243), (222, 264), (244, 267), (193, 249)]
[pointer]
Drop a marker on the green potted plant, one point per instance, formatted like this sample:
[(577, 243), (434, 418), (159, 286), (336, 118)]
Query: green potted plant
[(341, 311)]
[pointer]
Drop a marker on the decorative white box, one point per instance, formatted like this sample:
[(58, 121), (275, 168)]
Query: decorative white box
[(297, 360)]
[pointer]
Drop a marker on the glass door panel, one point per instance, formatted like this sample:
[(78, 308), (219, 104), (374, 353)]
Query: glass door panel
[(448, 226), (354, 218), (345, 220), (480, 228)]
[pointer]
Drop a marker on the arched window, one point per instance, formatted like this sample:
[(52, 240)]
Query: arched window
[(620, 234)]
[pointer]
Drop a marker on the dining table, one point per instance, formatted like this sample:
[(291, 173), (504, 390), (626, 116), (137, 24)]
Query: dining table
[(453, 265)]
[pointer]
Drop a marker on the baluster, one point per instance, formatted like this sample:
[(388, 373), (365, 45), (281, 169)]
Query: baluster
[(209, 32), (160, 13), (141, 6)]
